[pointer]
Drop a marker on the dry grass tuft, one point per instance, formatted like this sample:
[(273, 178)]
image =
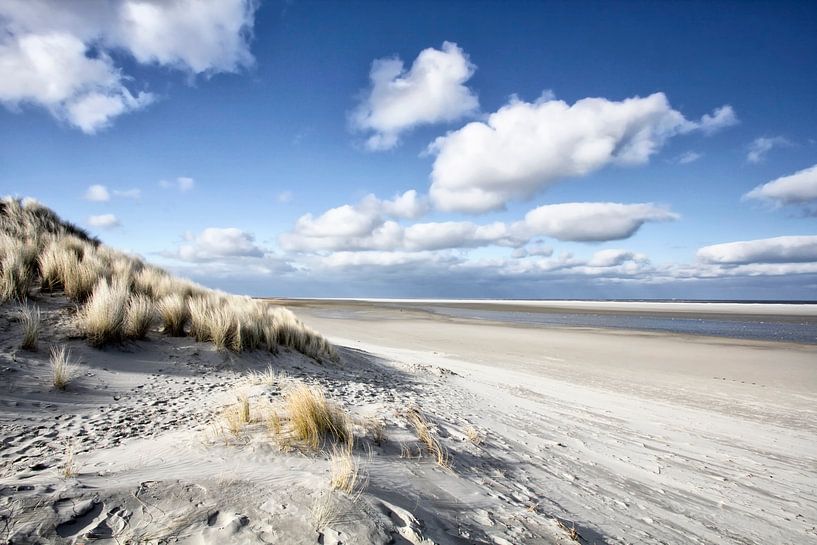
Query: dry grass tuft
[(376, 429), (174, 313), (62, 370), (139, 316), (314, 419), (30, 318), (221, 325), (17, 265), (428, 438), (345, 474), (326, 511), (68, 468), (102, 320), (473, 435), (269, 377), (237, 416), (571, 532)]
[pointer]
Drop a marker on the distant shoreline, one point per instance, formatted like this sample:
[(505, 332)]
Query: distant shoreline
[(798, 309)]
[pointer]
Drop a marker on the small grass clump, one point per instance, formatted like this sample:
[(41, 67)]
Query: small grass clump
[(138, 316), (62, 370), (68, 467), (221, 325), (314, 419), (428, 438), (102, 320), (30, 318), (473, 435), (17, 260), (376, 429), (237, 415), (345, 474), (174, 313)]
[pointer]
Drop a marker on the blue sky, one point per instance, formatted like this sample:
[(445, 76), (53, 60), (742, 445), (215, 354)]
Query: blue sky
[(584, 150)]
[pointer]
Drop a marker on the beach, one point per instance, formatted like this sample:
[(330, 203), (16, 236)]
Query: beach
[(543, 435), (642, 437)]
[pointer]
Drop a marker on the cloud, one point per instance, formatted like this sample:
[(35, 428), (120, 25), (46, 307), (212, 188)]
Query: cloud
[(193, 35), (433, 90), (383, 259), (215, 243), (97, 193), (614, 257), (524, 147), (787, 249), (760, 147), (688, 157), (58, 55), (360, 226), (458, 234), (721, 118), (103, 221), (364, 227), (535, 250), (182, 183), (797, 188), (100, 193), (592, 221)]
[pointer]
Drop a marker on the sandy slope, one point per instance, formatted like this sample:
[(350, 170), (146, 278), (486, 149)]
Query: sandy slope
[(639, 438), (154, 464)]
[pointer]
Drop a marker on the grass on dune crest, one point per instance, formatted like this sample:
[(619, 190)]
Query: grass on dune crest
[(120, 296)]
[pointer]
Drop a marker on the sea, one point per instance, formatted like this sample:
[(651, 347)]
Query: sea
[(782, 328)]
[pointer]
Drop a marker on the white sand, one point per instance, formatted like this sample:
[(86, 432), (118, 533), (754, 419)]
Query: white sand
[(632, 437), (639, 437)]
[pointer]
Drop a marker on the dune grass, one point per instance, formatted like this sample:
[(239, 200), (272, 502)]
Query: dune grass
[(30, 318), (102, 319), (428, 438), (62, 369), (314, 419), (174, 314), (68, 467), (17, 268), (38, 249), (139, 316), (345, 471), (473, 435)]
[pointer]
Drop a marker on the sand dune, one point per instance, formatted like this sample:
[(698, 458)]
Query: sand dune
[(619, 437)]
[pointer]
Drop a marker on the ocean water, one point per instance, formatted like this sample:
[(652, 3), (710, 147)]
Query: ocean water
[(771, 328)]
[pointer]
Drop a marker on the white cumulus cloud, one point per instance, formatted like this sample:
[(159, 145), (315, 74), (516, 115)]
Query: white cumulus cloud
[(592, 221), (360, 226), (800, 187), (364, 227), (433, 90), (787, 249), (524, 147), (57, 54), (215, 243), (103, 221), (97, 193), (760, 147)]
